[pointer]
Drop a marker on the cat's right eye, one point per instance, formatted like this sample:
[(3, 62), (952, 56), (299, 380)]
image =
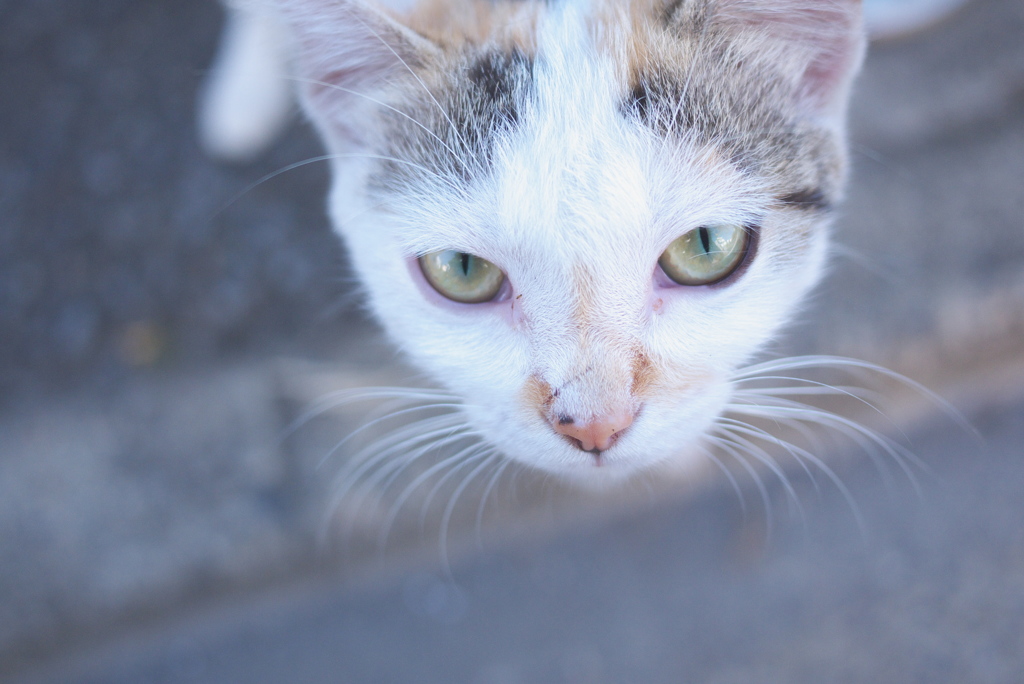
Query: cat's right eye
[(462, 277), (705, 255)]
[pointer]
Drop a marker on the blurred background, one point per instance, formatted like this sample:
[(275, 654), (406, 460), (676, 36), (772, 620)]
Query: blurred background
[(164, 319)]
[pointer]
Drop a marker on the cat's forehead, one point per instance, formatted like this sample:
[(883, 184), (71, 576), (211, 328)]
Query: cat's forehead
[(592, 120), (536, 141)]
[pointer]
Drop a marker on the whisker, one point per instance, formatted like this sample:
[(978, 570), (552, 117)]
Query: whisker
[(503, 463), (823, 388), (803, 430), (413, 431), (341, 398), (391, 468), (404, 439), (369, 458), (854, 431), (400, 466), (730, 477), (327, 157), (836, 362), (349, 91), (815, 389), (482, 450), (730, 449), (804, 414), (748, 429), (419, 80), (458, 459), (730, 434), (375, 422), (446, 518), (800, 454), (273, 174)]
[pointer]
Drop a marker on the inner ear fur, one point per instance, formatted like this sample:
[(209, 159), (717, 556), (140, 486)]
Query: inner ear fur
[(348, 52), (818, 43)]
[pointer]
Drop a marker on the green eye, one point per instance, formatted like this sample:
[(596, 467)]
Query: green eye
[(705, 255), (462, 277)]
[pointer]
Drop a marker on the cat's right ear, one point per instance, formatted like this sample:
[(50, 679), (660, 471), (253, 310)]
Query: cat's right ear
[(346, 52), (817, 44)]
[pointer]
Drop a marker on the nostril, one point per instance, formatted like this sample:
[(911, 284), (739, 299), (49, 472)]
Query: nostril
[(596, 435), (575, 442)]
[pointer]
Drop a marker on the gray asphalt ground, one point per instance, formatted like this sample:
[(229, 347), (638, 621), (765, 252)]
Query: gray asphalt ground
[(161, 323), (694, 591)]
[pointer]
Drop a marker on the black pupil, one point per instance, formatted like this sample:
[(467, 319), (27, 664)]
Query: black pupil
[(705, 238), (465, 263)]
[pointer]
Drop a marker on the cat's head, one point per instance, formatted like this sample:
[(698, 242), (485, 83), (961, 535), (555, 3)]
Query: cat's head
[(583, 217)]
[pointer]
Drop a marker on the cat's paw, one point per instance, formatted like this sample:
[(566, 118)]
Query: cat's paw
[(246, 99)]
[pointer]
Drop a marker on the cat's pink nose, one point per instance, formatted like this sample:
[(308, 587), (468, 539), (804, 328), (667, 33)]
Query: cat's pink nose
[(597, 435)]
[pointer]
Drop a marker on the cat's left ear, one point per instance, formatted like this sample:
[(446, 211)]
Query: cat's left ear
[(348, 52), (820, 43)]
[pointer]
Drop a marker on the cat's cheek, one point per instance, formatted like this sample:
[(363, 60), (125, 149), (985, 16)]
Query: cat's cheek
[(665, 292)]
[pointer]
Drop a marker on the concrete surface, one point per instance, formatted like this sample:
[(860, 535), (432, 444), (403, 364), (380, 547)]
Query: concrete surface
[(686, 592), (148, 502)]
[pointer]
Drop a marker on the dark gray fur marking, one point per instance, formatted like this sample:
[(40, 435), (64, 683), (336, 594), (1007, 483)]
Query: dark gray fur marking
[(811, 198), (458, 121), (496, 78)]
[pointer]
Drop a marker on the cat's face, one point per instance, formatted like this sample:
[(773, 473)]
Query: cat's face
[(584, 217)]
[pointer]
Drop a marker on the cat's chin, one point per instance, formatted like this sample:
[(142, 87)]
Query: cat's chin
[(615, 478), (600, 475)]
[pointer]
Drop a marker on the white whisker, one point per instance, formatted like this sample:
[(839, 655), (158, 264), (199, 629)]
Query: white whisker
[(860, 435), (802, 455), (479, 451), (400, 439), (730, 434), (419, 80), (391, 416), (730, 477), (746, 428), (730, 449), (328, 157), (457, 459), (417, 439), (356, 93), (391, 468), (503, 464), (840, 362), (446, 517)]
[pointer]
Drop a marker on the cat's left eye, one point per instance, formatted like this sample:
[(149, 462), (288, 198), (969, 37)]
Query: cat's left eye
[(705, 255), (462, 277)]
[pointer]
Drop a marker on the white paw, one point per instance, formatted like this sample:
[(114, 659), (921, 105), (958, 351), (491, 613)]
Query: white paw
[(246, 100)]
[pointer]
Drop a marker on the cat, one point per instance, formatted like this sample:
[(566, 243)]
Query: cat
[(582, 218)]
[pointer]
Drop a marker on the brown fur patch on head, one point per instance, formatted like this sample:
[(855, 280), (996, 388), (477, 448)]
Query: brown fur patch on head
[(454, 24)]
